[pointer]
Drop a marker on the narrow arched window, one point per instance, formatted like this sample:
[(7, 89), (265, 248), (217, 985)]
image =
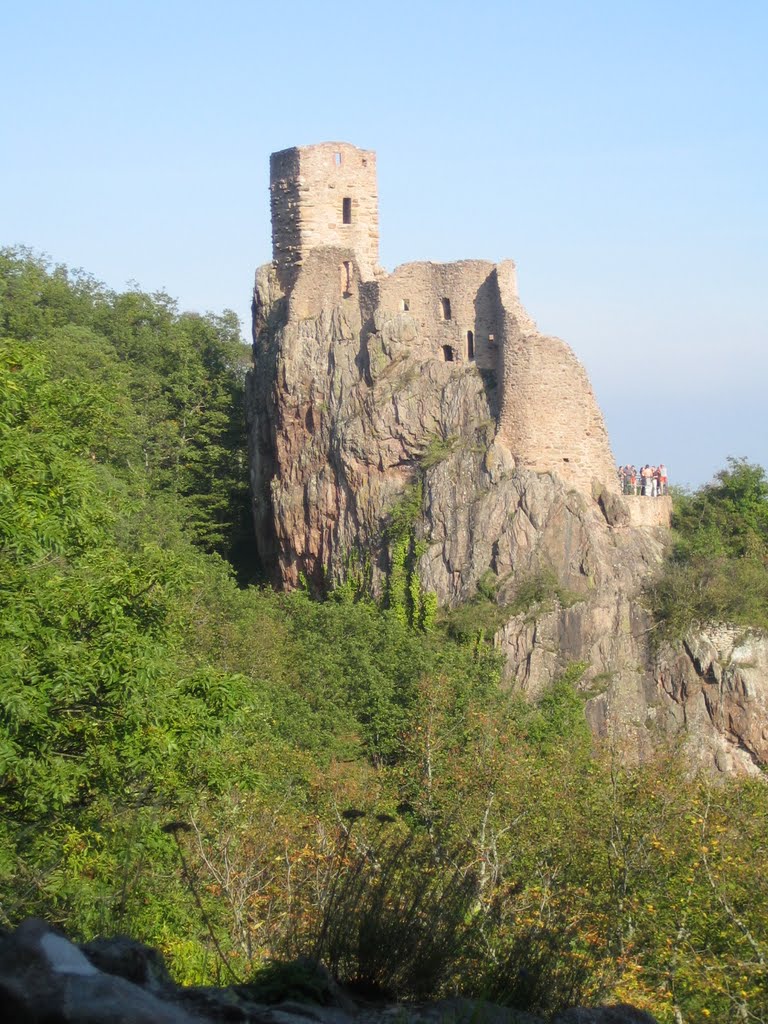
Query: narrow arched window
[(470, 345)]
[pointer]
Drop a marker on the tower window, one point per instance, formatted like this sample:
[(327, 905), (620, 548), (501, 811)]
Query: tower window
[(447, 353), (446, 309), (405, 305), (346, 210), (337, 159), (470, 345)]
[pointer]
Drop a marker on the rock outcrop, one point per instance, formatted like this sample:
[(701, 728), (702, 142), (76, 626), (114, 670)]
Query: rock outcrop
[(46, 978), (716, 685), (365, 383), (349, 406)]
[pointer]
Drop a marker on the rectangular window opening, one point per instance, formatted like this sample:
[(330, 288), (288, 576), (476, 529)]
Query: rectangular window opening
[(346, 210), (446, 309), (405, 305), (337, 159)]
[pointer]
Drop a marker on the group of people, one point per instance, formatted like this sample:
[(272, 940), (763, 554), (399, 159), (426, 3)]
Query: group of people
[(649, 480)]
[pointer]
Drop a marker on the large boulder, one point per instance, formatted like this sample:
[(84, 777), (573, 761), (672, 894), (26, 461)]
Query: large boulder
[(45, 979)]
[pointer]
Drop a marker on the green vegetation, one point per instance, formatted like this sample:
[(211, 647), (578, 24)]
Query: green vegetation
[(166, 390), (718, 571), (405, 595), (438, 450), (540, 593), (478, 619), (241, 777)]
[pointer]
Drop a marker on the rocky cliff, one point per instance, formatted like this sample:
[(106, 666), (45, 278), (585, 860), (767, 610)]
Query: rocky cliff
[(353, 398)]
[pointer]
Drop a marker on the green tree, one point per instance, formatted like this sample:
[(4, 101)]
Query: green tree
[(718, 569), (176, 382)]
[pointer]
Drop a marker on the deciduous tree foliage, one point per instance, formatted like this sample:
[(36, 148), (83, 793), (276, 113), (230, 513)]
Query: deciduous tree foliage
[(718, 571), (170, 389)]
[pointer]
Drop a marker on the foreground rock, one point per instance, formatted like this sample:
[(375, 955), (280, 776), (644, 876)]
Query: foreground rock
[(45, 979)]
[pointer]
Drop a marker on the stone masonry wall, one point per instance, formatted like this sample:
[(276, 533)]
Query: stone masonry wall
[(329, 278), (314, 190), (647, 511), (549, 418), (471, 291)]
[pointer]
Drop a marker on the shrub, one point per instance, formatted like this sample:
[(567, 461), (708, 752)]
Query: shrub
[(397, 922)]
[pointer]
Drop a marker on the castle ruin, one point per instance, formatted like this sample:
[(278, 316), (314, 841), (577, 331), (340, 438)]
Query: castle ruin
[(415, 430), (325, 236)]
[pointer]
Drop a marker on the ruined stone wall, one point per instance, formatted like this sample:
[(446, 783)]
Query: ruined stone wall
[(285, 194), (323, 195), (328, 277), (455, 307), (325, 248), (549, 416)]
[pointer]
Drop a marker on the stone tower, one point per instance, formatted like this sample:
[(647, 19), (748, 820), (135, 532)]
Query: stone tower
[(323, 195)]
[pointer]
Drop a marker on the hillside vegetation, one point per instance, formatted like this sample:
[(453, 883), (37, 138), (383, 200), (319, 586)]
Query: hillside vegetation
[(718, 571), (239, 776)]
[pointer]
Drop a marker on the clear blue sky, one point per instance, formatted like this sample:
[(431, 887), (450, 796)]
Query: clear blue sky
[(615, 150)]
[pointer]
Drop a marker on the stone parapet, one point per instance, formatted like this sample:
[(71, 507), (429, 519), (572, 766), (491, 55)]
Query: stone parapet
[(645, 511)]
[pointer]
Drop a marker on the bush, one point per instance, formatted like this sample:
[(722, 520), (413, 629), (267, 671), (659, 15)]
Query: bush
[(398, 919)]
